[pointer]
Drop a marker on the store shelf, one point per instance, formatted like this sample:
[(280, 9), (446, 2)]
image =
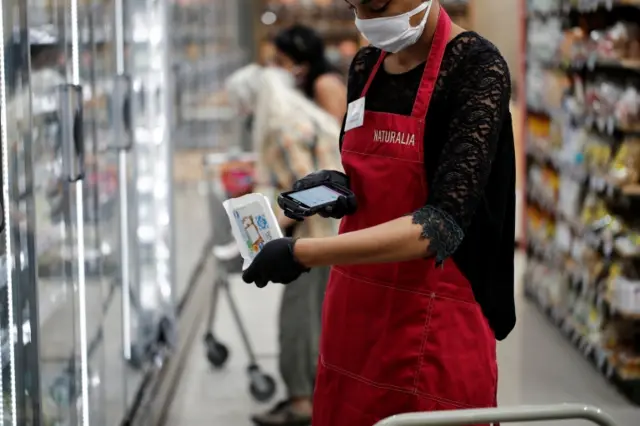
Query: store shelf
[(564, 7), (601, 184), (594, 5), (334, 22), (582, 125), (601, 359)]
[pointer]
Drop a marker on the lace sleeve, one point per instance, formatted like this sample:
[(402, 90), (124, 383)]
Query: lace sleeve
[(479, 101)]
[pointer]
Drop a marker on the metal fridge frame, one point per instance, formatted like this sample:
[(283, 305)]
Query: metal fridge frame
[(524, 413)]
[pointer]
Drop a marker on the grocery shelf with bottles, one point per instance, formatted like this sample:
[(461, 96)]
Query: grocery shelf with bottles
[(582, 124), (334, 20)]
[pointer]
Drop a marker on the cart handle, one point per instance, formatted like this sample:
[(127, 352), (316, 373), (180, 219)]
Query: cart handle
[(527, 413)]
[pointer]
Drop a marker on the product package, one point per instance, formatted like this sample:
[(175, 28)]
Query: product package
[(253, 224), (625, 167)]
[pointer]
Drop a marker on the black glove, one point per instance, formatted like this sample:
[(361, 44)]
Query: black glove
[(343, 206), (274, 263)]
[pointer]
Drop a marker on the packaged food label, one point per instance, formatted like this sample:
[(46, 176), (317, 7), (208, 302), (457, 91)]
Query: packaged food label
[(253, 224)]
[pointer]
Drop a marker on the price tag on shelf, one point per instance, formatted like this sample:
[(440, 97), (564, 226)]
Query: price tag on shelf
[(563, 237), (611, 190), (597, 183), (609, 370), (611, 125), (600, 302), (588, 349), (607, 246), (592, 60), (600, 358), (589, 120)]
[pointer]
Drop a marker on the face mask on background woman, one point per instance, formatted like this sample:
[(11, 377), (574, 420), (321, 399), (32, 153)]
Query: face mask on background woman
[(394, 33)]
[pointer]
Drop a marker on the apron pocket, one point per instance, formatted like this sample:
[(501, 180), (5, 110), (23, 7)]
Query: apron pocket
[(459, 358), (374, 332)]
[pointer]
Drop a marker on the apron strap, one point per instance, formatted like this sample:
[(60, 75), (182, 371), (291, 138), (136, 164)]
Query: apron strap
[(432, 68), (373, 73)]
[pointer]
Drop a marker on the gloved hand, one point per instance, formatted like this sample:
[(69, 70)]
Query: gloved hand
[(343, 207), (274, 263)]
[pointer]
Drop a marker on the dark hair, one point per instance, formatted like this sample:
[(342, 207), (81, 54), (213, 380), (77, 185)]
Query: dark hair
[(305, 47)]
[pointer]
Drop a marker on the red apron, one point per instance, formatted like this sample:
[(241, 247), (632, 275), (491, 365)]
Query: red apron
[(407, 336)]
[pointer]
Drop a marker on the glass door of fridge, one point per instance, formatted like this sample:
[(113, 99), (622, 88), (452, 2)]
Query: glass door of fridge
[(124, 358), (144, 181), (52, 168), (68, 255), (19, 381), (107, 254)]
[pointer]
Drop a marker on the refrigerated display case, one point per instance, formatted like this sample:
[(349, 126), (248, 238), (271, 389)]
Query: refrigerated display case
[(20, 397), (145, 74), (87, 304)]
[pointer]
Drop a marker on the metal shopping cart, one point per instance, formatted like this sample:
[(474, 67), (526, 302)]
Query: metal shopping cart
[(525, 414), (228, 176)]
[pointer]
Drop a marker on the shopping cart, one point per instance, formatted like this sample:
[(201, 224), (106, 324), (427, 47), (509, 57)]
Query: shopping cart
[(525, 414), (229, 175)]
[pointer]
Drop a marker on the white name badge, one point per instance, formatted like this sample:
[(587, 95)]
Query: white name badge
[(355, 115)]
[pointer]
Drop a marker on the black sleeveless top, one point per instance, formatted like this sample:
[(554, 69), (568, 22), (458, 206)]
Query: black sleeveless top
[(469, 160)]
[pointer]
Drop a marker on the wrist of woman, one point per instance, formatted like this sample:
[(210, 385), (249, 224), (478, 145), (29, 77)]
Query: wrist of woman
[(304, 253)]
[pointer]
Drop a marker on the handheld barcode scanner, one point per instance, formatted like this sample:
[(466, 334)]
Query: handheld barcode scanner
[(321, 199)]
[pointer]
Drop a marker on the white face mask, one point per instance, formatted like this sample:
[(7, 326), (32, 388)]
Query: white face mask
[(394, 33)]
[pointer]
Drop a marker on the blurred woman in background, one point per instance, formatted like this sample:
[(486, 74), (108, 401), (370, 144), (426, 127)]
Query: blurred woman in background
[(293, 137), (301, 51)]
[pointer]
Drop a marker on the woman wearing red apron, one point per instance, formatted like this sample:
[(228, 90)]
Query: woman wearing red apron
[(422, 278)]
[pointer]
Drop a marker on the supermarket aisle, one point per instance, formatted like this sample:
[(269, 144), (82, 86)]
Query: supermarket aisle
[(220, 397), (192, 230), (536, 367)]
